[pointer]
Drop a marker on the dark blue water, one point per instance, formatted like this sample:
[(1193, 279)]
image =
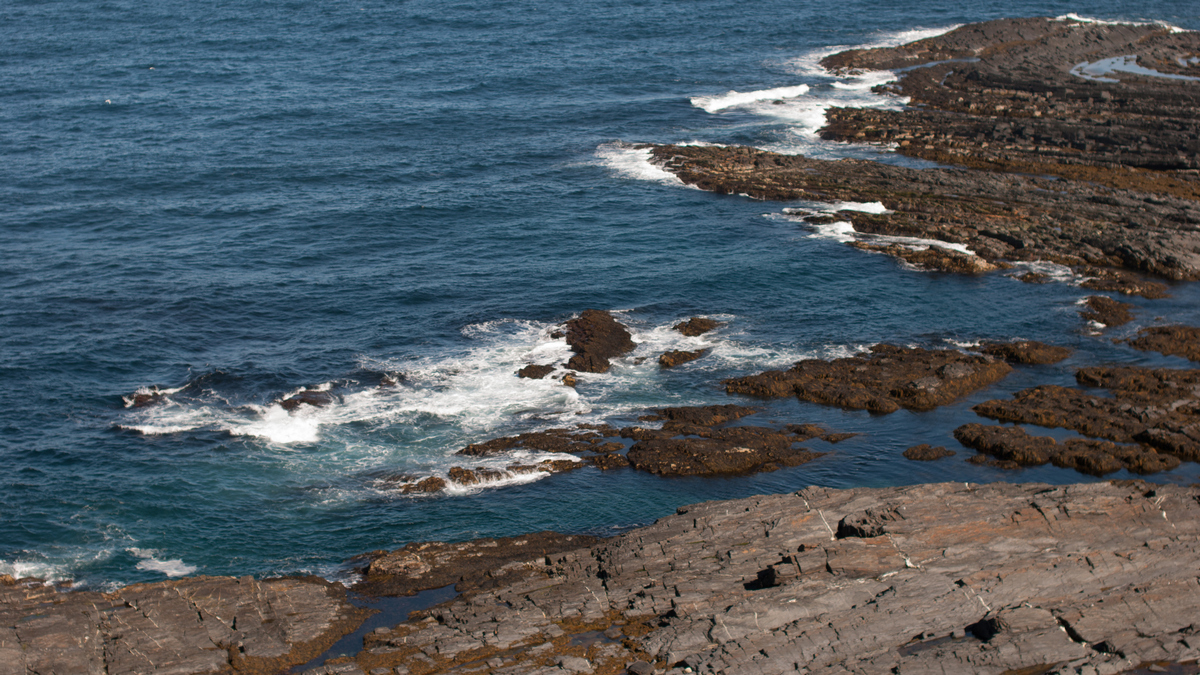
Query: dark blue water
[(242, 200)]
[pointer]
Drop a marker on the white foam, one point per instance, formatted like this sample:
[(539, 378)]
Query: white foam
[(1098, 71), (41, 570), (171, 568), (736, 99), (1054, 271), (633, 162), (1072, 16), (844, 232), (277, 425)]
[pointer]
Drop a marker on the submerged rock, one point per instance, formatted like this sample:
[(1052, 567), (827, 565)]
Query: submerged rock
[(882, 381), (316, 399), (596, 337), (927, 453)]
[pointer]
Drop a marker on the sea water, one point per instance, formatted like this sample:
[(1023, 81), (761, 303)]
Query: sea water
[(233, 203)]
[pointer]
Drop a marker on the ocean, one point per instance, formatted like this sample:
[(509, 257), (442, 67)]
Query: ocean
[(238, 202)]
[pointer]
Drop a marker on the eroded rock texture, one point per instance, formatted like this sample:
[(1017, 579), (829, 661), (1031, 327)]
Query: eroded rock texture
[(1086, 455), (1171, 340), (196, 625), (882, 381), (930, 578), (596, 337)]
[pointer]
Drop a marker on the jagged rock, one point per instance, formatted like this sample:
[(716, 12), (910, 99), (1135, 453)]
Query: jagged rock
[(704, 416), (596, 337), (927, 453), (569, 379), (316, 399), (1171, 340), (609, 461), (1119, 281), (696, 326), (426, 485), (677, 357), (1026, 351), (1155, 407), (551, 440), (929, 578), (1106, 311), (881, 381), (1013, 444), (535, 372)]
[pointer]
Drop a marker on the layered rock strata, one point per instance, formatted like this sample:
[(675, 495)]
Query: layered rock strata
[(940, 578)]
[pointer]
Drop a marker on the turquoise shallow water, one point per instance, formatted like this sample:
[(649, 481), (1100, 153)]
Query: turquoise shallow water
[(244, 201)]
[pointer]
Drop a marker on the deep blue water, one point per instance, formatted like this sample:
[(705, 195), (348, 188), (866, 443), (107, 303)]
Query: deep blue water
[(252, 198)]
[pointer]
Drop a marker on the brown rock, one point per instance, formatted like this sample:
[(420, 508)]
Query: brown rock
[(1171, 340), (596, 337), (1027, 351), (317, 399), (1014, 445), (430, 484), (696, 326), (551, 440), (535, 372), (935, 258), (1034, 278), (569, 379), (927, 453), (715, 457), (676, 357), (1120, 281), (881, 381), (704, 416), (609, 461), (1106, 311)]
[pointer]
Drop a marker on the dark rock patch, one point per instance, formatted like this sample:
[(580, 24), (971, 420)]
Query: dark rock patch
[(1090, 456), (427, 485), (1026, 351), (717, 456), (1112, 280), (935, 258), (696, 326), (609, 461), (1106, 311), (535, 372), (882, 381), (596, 337), (677, 357), (1171, 340), (705, 416), (551, 440), (927, 453), (317, 399)]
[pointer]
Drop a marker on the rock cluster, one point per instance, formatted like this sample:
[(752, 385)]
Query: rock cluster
[(1159, 408), (882, 381), (1013, 446), (942, 578), (1106, 311)]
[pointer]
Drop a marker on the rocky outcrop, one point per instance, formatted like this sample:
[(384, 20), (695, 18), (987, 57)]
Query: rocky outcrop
[(596, 337), (314, 398), (1106, 311), (696, 326), (1159, 408), (1098, 458), (551, 440), (935, 258), (1171, 340), (1025, 351), (535, 372), (195, 625), (942, 578), (677, 357), (882, 381), (1120, 281)]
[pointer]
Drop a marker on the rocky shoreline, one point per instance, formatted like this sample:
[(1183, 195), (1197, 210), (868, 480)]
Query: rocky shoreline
[(1096, 578)]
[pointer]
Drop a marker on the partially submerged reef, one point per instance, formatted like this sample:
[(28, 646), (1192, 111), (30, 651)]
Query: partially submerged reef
[(1055, 148)]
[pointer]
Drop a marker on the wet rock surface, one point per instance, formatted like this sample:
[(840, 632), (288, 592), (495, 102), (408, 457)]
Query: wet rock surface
[(1106, 311), (1170, 340), (1090, 456), (1159, 408), (942, 578), (535, 372), (195, 625), (935, 258), (1025, 351), (697, 325), (596, 337), (882, 381), (316, 399), (677, 357)]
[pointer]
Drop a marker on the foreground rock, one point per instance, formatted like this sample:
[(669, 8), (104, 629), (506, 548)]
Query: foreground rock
[(196, 625), (1013, 445), (1170, 340), (596, 337), (1158, 408), (930, 578), (882, 381)]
